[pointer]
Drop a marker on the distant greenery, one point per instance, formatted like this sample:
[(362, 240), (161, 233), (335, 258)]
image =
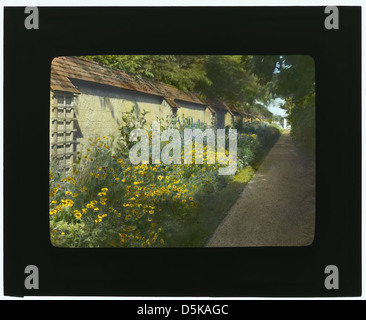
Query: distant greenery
[(293, 79)]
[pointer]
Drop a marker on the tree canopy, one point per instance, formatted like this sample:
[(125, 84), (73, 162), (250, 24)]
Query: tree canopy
[(292, 78)]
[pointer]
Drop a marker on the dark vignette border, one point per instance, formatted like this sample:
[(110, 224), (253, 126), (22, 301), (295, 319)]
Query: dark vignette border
[(273, 272)]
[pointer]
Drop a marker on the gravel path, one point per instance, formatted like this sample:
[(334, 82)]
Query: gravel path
[(277, 207)]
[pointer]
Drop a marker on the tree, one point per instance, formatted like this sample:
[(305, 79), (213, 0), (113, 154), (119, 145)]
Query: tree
[(293, 79)]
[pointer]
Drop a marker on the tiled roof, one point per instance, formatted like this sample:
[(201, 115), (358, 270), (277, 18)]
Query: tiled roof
[(65, 68), (217, 105), (237, 112)]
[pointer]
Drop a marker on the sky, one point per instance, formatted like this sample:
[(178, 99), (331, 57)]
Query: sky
[(274, 107)]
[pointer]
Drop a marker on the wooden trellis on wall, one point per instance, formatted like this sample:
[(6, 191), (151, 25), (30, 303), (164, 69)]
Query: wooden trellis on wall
[(63, 129)]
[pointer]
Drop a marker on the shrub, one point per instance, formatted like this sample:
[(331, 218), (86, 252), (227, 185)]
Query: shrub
[(303, 125), (108, 202)]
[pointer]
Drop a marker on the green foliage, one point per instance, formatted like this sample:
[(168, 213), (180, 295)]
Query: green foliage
[(302, 120), (293, 79), (180, 71)]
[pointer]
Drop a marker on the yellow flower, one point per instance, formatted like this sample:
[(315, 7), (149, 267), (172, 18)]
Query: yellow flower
[(84, 210), (160, 178), (75, 195), (96, 209), (78, 215), (53, 201), (104, 189)]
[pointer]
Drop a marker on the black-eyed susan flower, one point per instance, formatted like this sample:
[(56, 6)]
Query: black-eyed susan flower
[(78, 215)]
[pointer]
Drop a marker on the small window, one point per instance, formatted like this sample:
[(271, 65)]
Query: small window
[(64, 100), (60, 100), (68, 101)]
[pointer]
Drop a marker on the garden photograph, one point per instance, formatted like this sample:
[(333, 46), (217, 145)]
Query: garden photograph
[(158, 151)]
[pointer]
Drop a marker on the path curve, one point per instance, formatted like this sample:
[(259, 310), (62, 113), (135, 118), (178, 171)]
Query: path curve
[(277, 207)]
